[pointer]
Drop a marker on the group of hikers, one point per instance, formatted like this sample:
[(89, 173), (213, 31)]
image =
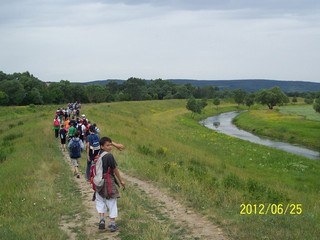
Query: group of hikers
[(102, 169)]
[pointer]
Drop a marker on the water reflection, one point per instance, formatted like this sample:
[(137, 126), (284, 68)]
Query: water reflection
[(223, 123)]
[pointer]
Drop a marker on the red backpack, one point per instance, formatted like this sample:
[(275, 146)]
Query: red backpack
[(56, 122)]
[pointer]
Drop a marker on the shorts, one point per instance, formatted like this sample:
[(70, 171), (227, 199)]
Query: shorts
[(75, 162), (63, 140), (103, 204)]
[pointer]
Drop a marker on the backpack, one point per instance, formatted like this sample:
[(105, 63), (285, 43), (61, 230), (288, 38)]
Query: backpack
[(94, 142), (96, 172), (75, 149), (56, 122)]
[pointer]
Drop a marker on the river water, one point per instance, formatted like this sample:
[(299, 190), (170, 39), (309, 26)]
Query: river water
[(223, 123)]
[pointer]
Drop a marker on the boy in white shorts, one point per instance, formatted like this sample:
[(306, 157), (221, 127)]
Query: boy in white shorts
[(106, 201)]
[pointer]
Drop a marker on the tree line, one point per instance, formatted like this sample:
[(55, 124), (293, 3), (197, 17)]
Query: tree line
[(24, 89)]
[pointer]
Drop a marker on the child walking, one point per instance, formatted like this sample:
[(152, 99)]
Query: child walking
[(75, 146), (104, 201), (63, 137)]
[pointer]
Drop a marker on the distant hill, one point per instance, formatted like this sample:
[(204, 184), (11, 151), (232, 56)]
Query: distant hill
[(253, 85), (249, 85)]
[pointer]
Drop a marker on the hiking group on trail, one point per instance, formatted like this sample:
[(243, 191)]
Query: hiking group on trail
[(102, 169)]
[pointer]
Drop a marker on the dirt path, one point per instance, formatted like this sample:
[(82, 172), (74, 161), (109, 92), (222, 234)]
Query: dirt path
[(91, 224), (198, 226)]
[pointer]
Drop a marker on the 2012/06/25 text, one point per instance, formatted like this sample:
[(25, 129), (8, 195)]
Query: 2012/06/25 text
[(271, 208)]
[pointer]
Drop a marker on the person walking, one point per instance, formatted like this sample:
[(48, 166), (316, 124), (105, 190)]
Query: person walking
[(56, 126), (63, 137), (75, 146), (71, 131), (92, 149), (105, 199)]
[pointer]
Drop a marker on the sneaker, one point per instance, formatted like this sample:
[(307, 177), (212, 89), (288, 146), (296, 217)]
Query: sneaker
[(102, 224), (113, 228)]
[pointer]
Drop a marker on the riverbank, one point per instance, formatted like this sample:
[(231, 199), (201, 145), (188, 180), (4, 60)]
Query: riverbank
[(223, 123), (295, 129)]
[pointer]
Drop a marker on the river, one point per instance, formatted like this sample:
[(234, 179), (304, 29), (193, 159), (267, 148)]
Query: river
[(223, 123)]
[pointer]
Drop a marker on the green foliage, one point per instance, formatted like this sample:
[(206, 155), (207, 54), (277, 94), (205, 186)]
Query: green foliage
[(316, 105), (196, 106), (4, 98), (24, 89), (308, 100), (271, 97), (216, 102), (239, 96), (249, 99)]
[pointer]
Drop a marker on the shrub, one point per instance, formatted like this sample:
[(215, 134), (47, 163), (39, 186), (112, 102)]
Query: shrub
[(232, 181)]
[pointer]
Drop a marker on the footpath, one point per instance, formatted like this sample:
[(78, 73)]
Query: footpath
[(198, 226)]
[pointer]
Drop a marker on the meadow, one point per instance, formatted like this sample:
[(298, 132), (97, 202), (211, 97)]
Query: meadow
[(250, 191)]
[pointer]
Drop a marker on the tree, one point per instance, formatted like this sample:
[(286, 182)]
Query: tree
[(294, 99), (136, 88), (239, 96), (203, 103), (54, 94), (272, 97), (96, 93), (249, 100), (216, 102), (193, 105), (4, 99), (182, 92), (14, 90), (33, 97), (316, 105)]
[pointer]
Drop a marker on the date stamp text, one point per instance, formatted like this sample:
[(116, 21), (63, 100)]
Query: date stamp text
[(271, 209)]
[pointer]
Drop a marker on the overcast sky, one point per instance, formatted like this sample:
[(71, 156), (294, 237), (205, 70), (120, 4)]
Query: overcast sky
[(86, 40)]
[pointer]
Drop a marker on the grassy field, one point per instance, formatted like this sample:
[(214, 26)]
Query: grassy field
[(306, 111), (36, 186), (218, 176)]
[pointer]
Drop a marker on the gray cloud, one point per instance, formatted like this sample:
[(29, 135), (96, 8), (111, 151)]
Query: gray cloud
[(80, 40), (282, 5), (29, 12)]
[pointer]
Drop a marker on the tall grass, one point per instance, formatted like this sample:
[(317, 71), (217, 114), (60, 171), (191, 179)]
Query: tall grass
[(208, 171), (36, 186), (211, 172)]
